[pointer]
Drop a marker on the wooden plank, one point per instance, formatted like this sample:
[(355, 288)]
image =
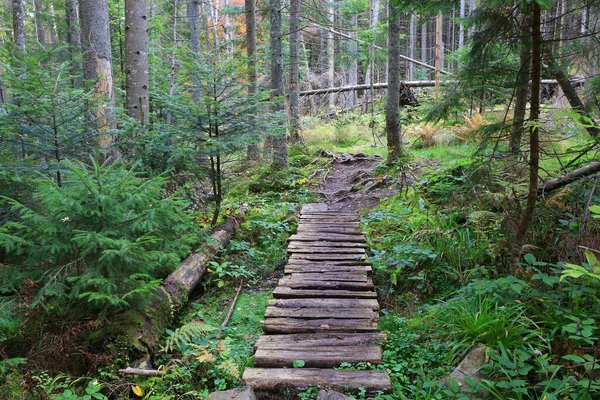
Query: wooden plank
[(274, 379), (281, 292), (301, 261), (318, 357), (314, 207), (338, 224), (344, 276), (330, 212), (327, 218), (298, 325), (328, 257), (328, 229), (324, 268), (331, 237), (337, 250), (325, 303), (325, 243), (303, 340), (321, 312), (325, 285)]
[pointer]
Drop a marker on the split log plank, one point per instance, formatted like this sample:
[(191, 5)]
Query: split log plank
[(298, 325), (318, 357), (328, 257), (290, 293), (310, 237), (320, 312), (326, 250), (344, 276), (329, 229), (304, 340), (323, 269), (325, 303), (273, 379), (325, 243), (326, 285)]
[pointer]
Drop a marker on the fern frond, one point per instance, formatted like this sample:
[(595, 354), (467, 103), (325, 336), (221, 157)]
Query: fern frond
[(185, 334)]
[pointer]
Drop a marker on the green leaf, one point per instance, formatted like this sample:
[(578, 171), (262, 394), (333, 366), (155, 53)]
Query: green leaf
[(530, 258)]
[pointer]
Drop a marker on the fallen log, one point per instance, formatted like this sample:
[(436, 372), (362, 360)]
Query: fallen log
[(144, 331), (141, 372), (567, 178)]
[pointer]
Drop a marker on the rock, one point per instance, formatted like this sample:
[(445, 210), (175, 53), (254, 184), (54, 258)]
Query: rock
[(332, 395), (469, 366), (243, 393)]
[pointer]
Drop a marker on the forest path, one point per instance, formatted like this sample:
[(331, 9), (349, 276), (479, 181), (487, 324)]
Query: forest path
[(324, 311)]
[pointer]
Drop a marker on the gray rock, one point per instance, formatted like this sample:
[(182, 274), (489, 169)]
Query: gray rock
[(332, 395), (469, 366), (243, 393)]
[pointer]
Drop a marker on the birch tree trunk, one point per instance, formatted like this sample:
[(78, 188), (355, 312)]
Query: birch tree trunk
[(173, 59), (375, 4), (18, 24), (97, 66), (136, 54), (461, 29), (392, 111), (296, 133), (412, 44), (424, 40), (353, 68), (53, 28), (39, 21), (280, 150), (193, 11)]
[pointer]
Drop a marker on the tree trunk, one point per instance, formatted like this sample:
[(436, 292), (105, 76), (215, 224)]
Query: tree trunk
[(193, 12), (173, 294), (392, 111), (461, 29), (74, 38), (534, 140), (280, 150), (173, 60), (136, 54), (568, 178), (97, 66), (294, 85), (330, 56), (353, 68), (424, 40), (39, 21), (570, 93), (521, 92), (438, 52), (250, 8), (18, 24), (412, 44), (374, 21)]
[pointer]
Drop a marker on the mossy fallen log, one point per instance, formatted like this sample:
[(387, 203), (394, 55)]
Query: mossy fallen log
[(143, 331)]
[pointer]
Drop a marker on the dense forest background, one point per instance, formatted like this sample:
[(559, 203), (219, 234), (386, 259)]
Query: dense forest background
[(132, 131)]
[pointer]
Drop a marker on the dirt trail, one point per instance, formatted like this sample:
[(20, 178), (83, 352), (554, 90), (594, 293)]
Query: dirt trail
[(349, 185)]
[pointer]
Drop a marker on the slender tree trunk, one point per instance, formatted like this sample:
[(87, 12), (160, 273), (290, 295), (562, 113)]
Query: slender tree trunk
[(173, 59), (74, 38), (136, 54), (193, 12), (392, 111), (521, 91), (18, 24), (330, 56), (280, 150), (39, 21), (471, 11), (438, 52), (294, 85), (215, 25), (461, 31), (353, 68), (53, 29), (97, 66), (250, 8), (534, 157), (424, 40), (412, 44), (369, 74)]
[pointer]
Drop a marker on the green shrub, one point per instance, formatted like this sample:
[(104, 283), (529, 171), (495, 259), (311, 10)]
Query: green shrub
[(104, 236)]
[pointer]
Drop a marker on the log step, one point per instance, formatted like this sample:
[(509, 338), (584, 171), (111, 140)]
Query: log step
[(326, 285), (325, 303), (328, 257), (290, 293), (326, 250), (344, 276), (298, 325), (274, 379), (310, 340), (321, 312), (316, 357), (323, 268), (325, 243), (332, 237)]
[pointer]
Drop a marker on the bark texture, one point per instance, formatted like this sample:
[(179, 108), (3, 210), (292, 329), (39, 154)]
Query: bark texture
[(145, 333), (136, 53), (39, 21), (568, 178), (330, 55), (521, 92), (193, 13), (18, 24), (250, 9), (534, 139), (392, 111), (280, 150), (97, 66), (74, 37), (296, 133)]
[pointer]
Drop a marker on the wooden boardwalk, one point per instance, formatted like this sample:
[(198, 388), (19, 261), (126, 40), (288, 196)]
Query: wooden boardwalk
[(324, 311)]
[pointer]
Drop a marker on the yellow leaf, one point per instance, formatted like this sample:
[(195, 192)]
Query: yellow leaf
[(138, 391)]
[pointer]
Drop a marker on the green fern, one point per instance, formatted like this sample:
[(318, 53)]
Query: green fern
[(185, 334)]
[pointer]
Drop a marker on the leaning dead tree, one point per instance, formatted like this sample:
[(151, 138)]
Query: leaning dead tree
[(568, 178), (144, 332)]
